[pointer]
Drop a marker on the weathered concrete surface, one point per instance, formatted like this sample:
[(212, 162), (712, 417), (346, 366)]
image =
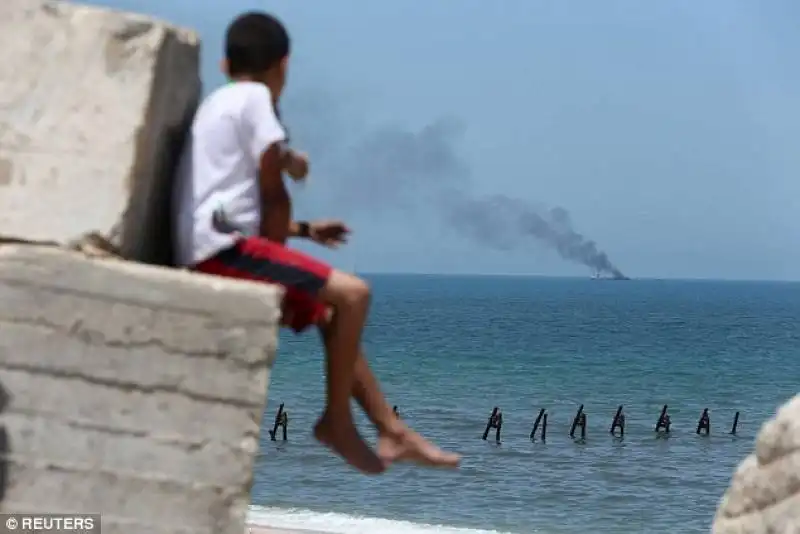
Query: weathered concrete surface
[(131, 390), (94, 105), (764, 495)]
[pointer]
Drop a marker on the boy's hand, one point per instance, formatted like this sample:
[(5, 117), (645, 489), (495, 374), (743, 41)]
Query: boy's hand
[(328, 233), (296, 165)]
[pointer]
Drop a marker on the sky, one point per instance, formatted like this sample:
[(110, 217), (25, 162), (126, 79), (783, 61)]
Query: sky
[(446, 132)]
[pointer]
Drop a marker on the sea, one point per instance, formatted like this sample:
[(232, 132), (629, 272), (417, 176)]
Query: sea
[(448, 349)]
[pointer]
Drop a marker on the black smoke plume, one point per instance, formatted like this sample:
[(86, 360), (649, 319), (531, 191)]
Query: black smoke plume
[(393, 168)]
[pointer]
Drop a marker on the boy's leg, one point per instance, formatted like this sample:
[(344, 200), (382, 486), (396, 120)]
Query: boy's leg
[(349, 297), (396, 442), (306, 281)]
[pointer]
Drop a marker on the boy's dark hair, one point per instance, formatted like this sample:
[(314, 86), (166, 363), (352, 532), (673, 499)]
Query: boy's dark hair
[(254, 43)]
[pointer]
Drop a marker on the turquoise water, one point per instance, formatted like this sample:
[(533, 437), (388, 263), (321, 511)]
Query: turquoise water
[(448, 349)]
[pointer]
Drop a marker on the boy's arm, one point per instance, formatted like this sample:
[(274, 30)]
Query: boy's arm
[(276, 206), (265, 140), (295, 164), (300, 229)]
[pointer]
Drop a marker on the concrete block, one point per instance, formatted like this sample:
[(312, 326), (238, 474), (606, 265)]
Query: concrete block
[(94, 107), (764, 495), (130, 390)]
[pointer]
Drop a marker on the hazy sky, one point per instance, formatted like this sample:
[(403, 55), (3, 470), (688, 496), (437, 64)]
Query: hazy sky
[(668, 130)]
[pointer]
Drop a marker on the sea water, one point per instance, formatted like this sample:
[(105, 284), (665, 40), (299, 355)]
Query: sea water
[(449, 349)]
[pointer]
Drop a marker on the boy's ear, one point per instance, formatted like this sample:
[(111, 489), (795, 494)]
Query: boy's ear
[(223, 66)]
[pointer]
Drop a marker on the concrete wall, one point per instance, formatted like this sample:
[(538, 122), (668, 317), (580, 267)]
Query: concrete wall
[(130, 390), (95, 104), (764, 495)]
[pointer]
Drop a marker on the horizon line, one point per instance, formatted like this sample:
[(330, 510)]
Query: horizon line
[(578, 277)]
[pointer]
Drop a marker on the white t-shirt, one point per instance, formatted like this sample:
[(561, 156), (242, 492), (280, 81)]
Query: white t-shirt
[(219, 169)]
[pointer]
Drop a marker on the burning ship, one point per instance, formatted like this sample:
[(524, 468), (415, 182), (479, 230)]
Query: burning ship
[(614, 275)]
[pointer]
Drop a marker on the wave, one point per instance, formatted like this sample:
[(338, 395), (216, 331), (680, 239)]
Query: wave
[(333, 523)]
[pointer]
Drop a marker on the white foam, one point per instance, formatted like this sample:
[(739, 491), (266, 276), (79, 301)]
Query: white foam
[(346, 524)]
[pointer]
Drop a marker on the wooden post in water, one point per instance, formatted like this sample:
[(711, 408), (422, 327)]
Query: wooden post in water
[(278, 422), (735, 424), (704, 424), (664, 422), (536, 425), (618, 422), (544, 428), (495, 421), (576, 421)]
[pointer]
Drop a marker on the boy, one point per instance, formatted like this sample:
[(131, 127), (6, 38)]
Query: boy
[(234, 217)]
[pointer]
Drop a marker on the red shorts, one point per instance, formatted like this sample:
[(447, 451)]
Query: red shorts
[(256, 258)]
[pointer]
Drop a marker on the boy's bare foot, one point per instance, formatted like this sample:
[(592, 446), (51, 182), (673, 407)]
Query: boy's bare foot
[(405, 445), (342, 437)]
